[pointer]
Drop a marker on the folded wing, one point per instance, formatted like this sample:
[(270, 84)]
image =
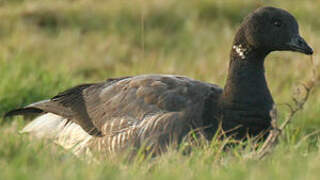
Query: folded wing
[(152, 109)]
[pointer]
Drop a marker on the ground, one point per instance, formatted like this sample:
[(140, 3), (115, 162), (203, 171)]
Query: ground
[(47, 46)]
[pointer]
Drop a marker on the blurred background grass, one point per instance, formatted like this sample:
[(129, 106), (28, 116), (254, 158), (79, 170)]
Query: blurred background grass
[(47, 46)]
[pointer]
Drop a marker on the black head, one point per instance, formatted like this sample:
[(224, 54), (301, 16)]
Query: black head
[(272, 29)]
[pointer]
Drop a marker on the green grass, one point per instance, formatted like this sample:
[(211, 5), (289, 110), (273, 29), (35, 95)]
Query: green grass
[(47, 46)]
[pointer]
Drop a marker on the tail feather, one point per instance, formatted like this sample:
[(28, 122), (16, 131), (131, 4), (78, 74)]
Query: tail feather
[(54, 126), (23, 111)]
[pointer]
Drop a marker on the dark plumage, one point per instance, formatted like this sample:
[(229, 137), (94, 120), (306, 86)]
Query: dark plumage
[(158, 109)]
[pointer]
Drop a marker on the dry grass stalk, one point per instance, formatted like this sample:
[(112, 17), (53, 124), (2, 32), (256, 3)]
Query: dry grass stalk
[(298, 103)]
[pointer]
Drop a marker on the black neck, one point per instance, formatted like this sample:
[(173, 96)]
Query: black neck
[(246, 84), (246, 100)]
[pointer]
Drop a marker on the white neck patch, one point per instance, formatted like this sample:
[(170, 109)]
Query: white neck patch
[(240, 50)]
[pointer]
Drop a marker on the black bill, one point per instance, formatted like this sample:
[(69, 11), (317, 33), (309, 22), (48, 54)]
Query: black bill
[(300, 45)]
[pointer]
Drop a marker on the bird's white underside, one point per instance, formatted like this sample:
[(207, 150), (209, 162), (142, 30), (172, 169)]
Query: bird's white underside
[(53, 127)]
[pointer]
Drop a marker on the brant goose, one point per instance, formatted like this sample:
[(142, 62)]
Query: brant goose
[(155, 110)]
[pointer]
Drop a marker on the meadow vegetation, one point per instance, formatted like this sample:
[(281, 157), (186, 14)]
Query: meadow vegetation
[(47, 46)]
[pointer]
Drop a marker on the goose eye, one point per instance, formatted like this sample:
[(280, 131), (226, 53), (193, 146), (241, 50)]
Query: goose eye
[(277, 23)]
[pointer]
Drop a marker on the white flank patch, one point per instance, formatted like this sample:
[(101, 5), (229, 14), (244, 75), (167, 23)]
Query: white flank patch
[(53, 127), (72, 137)]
